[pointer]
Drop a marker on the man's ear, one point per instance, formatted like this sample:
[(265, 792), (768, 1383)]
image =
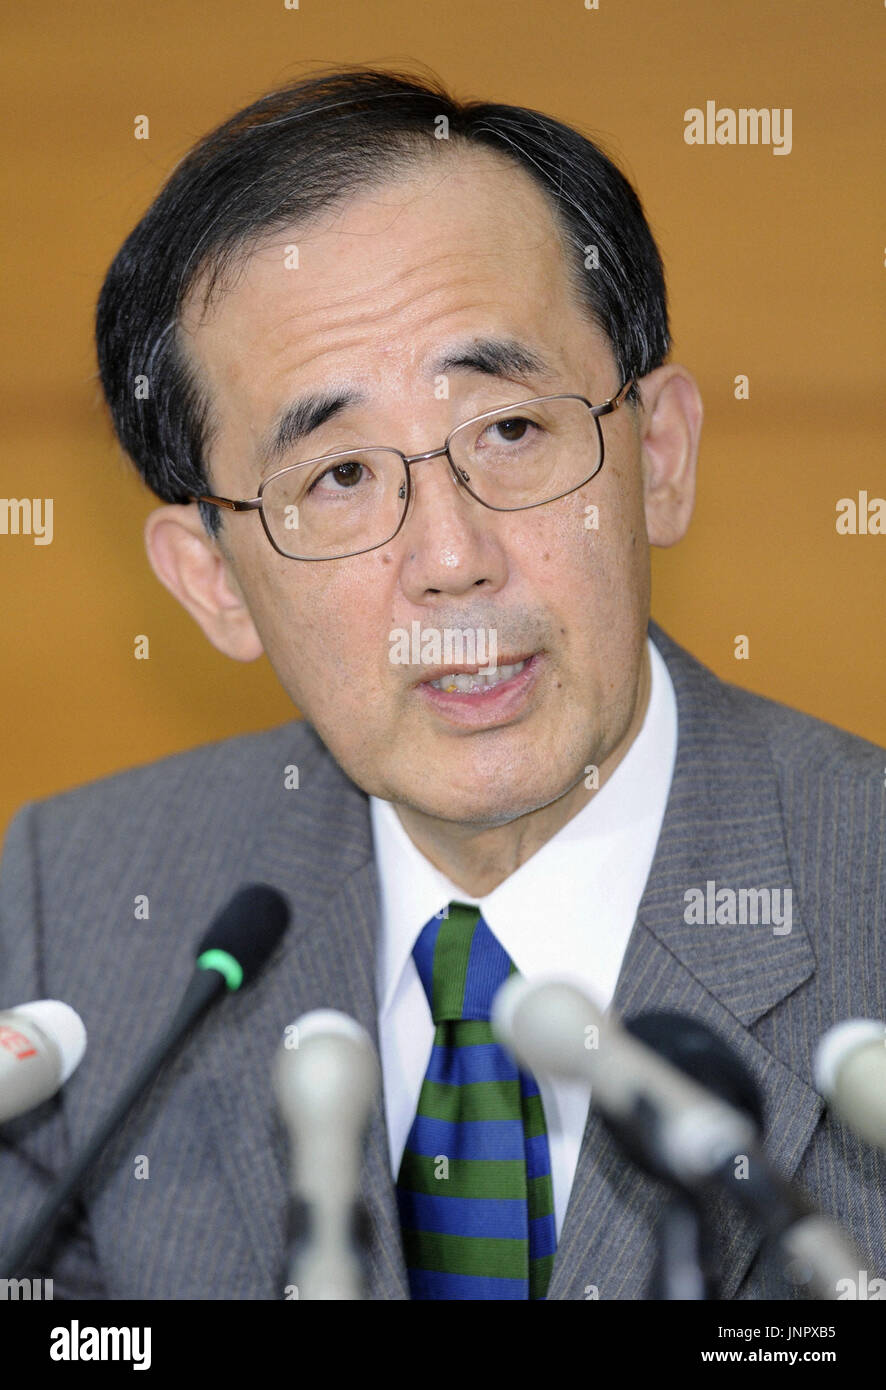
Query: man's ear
[(192, 567), (670, 425)]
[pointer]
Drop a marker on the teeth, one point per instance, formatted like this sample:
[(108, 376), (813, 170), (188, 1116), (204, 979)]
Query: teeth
[(463, 684)]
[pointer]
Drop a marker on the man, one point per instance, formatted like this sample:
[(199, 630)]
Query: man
[(458, 311)]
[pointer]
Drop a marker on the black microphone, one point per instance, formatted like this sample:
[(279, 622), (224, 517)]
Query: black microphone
[(686, 1265), (700, 1053), (811, 1251), (235, 948), (682, 1128)]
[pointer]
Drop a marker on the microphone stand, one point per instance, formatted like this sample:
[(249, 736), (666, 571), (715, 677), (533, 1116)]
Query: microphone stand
[(684, 1265)]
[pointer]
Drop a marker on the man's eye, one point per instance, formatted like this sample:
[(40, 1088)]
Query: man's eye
[(512, 430), (516, 429), (341, 476)]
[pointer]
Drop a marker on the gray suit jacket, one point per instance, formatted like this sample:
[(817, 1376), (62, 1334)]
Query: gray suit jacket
[(762, 797)]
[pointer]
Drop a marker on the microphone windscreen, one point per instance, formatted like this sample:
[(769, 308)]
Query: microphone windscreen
[(838, 1044), (63, 1026), (248, 927)]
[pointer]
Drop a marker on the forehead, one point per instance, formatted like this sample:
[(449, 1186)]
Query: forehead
[(372, 287)]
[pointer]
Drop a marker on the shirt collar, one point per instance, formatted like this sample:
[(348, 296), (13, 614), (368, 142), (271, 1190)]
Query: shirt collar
[(593, 858)]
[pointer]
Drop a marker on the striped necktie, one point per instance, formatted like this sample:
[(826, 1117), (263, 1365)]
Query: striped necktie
[(474, 1189)]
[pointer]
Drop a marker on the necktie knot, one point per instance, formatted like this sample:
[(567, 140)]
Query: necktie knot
[(461, 964)]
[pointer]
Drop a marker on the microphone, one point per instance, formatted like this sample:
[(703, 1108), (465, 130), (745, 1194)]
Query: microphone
[(700, 1053), (552, 1027), (686, 1266), (234, 949), (683, 1131), (41, 1044), (813, 1249), (696, 1049), (850, 1072), (326, 1085)]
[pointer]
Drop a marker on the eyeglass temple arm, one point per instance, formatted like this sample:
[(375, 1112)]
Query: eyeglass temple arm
[(615, 401), (232, 504)]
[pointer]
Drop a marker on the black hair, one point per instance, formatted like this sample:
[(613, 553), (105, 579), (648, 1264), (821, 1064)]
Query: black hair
[(284, 159)]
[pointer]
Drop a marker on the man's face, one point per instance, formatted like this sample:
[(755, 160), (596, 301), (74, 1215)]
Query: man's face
[(428, 265)]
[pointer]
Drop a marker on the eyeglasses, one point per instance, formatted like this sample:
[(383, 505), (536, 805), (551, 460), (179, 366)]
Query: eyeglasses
[(508, 460)]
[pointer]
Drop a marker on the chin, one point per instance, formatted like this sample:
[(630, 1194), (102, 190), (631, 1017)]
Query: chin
[(482, 805)]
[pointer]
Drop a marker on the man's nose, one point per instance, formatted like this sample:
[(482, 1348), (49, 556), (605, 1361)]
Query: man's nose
[(449, 540)]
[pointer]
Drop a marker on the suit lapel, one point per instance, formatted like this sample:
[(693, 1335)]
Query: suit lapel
[(722, 823)]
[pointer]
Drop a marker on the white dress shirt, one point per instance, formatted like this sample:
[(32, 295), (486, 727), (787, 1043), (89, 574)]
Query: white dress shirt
[(566, 912)]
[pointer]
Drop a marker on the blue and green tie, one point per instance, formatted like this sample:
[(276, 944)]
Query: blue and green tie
[(474, 1189)]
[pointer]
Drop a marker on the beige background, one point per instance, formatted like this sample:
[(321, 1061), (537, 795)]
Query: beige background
[(775, 265)]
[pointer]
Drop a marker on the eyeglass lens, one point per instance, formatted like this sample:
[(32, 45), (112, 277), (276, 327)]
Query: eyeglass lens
[(354, 501)]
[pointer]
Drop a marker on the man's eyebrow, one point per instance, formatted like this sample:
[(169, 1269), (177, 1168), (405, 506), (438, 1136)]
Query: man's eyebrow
[(497, 357), (301, 417), (501, 357)]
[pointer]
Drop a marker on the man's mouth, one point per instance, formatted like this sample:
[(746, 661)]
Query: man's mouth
[(479, 680), (475, 698)]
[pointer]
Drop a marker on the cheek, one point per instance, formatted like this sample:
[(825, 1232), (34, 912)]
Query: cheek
[(590, 555), (323, 632), (618, 547)]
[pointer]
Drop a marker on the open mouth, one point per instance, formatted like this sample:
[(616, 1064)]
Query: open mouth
[(479, 681), (477, 699)]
